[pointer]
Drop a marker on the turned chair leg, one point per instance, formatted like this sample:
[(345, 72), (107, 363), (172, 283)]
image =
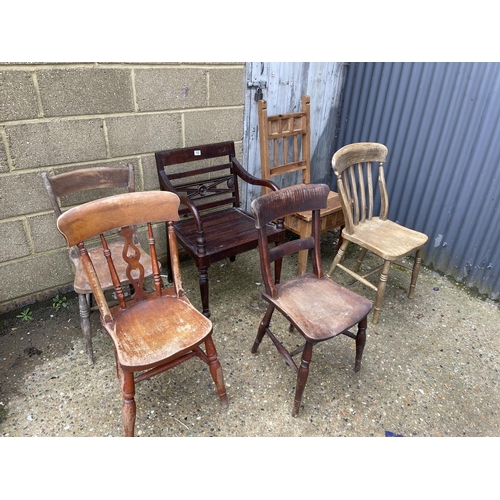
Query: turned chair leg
[(415, 271), (128, 405), (203, 281), (360, 259), (303, 254), (264, 325), (302, 377), (338, 258), (382, 284), (84, 307), (360, 343), (216, 370)]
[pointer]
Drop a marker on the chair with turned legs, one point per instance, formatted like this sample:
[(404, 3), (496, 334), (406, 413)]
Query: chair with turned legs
[(70, 188), (359, 169), (158, 328), (315, 306)]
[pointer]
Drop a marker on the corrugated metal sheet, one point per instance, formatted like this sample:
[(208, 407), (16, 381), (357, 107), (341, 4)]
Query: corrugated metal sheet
[(441, 124)]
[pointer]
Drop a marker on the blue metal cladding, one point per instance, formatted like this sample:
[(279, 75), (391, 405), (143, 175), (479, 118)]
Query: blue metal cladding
[(441, 124)]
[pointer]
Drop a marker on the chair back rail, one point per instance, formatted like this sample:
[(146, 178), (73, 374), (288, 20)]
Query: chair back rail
[(86, 179)]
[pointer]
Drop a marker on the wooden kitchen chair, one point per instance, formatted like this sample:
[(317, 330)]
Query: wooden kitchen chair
[(154, 330), (285, 149), (364, 224), (62, 189), (213, 227), (318, 308)]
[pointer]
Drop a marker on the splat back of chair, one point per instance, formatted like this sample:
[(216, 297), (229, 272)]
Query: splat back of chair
[(123, 211), (359, 167), (202, 174), (278, 204), (86, 179), (285, 143)]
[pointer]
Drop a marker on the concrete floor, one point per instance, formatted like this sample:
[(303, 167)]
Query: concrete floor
[(430, 368)]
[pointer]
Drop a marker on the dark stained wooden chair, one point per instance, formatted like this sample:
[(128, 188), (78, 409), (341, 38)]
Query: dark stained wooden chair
[(285, 151), (318, 308), (158, 328), (213, 227), (65, 190), (359, 168)]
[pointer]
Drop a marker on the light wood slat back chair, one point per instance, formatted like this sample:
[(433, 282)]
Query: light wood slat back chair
[(213, 226), (318, 308), (154, 330), (357, 184), (63, 189), (285, 149)]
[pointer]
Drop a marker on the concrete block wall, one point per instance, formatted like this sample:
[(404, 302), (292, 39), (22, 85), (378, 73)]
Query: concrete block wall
[(57, 117)]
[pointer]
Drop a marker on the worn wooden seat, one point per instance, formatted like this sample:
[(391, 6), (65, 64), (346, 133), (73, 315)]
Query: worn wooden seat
[(63, 191), (158, 328), (285, 148), (353, 165), (213, 227), (318, 308)]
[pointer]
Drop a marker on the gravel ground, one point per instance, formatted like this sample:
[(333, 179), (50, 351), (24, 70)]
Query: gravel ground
[(430, 368)]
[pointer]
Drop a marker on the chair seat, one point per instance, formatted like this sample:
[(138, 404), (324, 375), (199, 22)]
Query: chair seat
[(81, 283), (386, 238), (159, 331), (318, 307), (227, 233)]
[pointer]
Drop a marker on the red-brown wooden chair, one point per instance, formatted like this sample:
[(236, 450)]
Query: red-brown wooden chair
[(66, 189), (213, 226), (154, 330), (318, 308)]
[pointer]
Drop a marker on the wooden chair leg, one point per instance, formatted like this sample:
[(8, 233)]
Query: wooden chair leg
[(302, 262), (360, 343), (359, 260), (341, 240), (338, 257), (216, 370), (168, 264), (302, 377), (203, 281), (128, 405), (381, 290), (415, 271), (84, 307), (264, 324), (303, 254)]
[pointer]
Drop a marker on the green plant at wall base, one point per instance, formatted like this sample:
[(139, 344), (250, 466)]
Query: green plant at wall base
[(58, 302), (25, 315)]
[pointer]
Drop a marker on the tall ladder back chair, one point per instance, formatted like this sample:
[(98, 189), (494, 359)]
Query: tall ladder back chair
[(285, 148), (158, 328), (63, 191), (353, 166), (318, 308)]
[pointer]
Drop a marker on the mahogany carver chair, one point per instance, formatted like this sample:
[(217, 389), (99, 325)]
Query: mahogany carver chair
[(318, 308), (158, 328), (213, 227), (354, 167), (285, 148), (62, 190)]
